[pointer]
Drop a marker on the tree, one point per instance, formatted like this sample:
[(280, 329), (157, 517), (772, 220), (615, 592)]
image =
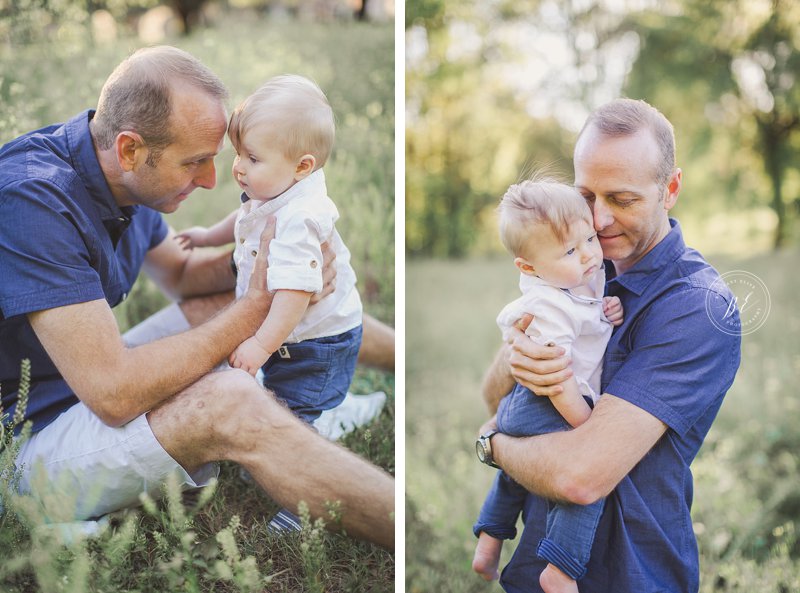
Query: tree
[(739, 60)]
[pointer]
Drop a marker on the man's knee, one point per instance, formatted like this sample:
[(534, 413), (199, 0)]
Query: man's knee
[(217, 417), (245, 413)]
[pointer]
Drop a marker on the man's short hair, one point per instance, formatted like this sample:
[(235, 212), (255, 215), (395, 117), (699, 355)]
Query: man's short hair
[(299, 112), (539, 201), (625, 117), (137, 96)]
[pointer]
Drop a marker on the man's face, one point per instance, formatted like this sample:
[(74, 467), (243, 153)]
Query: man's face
[(198, 124), (617, 177)]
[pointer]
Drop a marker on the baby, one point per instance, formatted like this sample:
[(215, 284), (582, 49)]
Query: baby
[(548, 228), (283, 135)]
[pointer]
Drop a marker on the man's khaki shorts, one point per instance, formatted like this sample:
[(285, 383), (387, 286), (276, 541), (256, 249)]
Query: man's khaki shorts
[(80, 468)]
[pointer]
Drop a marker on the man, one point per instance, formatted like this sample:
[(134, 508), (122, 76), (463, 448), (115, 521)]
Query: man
[(666, 371), (79, 205)]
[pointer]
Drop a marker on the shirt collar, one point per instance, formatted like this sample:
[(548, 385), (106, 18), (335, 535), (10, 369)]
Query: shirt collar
[(314, 184), (655, 261), (84, 159), (527, 282)]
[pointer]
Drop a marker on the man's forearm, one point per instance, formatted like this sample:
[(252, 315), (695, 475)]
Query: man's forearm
[(167, 366), (533, 462), (119, 383), (584, 464)]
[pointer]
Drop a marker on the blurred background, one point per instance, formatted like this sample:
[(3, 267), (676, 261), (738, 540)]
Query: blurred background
[(497, 89), (54, 57)]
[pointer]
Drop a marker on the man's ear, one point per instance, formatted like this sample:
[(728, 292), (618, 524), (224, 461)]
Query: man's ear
[(673, 189), (130, 150), (524, 266), (305, 166)]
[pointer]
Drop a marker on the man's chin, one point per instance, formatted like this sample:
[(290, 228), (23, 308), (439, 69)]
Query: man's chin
[(172, 205), (614, 247)]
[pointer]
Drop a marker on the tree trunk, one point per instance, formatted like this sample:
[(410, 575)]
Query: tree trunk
[(772, 141)]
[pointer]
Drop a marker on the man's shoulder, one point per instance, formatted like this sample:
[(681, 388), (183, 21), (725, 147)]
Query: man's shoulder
[(695, 277), (36, 158)]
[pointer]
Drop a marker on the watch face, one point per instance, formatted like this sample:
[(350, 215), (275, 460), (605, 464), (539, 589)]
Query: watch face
[(479, 449)]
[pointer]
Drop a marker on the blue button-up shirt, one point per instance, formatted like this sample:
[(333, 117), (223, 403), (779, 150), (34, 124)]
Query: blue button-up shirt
[(669, 359), (63, 240)]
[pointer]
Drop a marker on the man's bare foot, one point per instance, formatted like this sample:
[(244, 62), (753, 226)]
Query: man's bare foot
[(553, 580), (487, 556)]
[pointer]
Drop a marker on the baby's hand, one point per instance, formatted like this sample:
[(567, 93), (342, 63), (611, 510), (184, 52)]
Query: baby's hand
[(249, 356), (612, 308), (193, 237)]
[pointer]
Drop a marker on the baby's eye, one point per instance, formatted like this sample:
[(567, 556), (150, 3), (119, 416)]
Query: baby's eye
[(571, 251), (592, 238)]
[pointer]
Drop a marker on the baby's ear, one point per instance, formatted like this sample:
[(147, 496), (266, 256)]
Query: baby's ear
[(305, 166), (524, 266)]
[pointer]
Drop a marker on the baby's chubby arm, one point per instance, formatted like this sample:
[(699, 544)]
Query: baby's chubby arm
[(288, 307), (215, 236), (556, 327)]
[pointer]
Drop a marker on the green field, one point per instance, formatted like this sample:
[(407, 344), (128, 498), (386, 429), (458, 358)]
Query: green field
[(223, 546), (747, 502)]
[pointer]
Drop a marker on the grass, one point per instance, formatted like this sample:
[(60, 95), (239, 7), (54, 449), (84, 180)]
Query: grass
[(746, 500), (219, 542)]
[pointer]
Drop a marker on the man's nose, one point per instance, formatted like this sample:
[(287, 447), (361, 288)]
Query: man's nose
[(206, 175), (602, 214)]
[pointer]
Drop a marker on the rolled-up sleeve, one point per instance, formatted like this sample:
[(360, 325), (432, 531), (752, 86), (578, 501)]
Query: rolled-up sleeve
[(295, 254)]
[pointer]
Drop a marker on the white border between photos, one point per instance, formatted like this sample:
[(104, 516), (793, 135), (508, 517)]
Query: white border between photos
[(400, 294)]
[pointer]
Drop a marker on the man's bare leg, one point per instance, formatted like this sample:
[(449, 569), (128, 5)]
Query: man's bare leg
[(227, 415), (198, 310), (377, 345)]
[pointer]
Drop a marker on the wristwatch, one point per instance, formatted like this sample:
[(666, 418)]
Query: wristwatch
[(483, 447)]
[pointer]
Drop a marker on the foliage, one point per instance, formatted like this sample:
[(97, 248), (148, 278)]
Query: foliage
[(496, 89), (739, 61), (218, 541), (746, 504)]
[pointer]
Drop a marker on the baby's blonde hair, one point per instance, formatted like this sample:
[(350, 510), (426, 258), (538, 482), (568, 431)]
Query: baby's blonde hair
[(301, 113), (541, 200)]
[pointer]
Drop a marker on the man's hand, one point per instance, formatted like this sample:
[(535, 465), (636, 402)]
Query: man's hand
[(612, 309), (490, 424), (258, 279), (541, 369), (249, 356), (328, 273)]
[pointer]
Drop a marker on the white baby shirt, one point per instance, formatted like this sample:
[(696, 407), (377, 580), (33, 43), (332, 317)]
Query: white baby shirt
[(305, 218), (574, 322)]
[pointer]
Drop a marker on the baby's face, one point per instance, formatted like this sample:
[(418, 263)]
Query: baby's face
[(261, 168), (569, 264)]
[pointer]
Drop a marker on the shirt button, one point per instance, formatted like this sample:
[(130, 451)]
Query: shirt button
[(313, 263), (241, 240), (124, 295), (254, 253)]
